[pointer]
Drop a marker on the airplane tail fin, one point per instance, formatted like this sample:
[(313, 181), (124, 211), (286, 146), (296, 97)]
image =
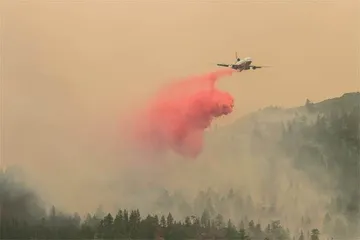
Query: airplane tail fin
[(236, 57)]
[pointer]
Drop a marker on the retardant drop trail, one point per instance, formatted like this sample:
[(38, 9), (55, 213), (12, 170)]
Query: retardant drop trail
[(175, 119)]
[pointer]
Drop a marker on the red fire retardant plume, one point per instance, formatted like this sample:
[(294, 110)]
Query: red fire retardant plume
[(175, 119)]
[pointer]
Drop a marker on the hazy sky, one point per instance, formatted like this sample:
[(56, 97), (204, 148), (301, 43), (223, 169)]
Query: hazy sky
[(64, 64), (104, 51)]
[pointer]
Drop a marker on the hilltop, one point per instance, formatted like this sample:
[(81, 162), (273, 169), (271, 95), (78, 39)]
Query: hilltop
[(276, 114)]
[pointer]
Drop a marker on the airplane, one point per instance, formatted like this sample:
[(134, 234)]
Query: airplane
[(241, 64)]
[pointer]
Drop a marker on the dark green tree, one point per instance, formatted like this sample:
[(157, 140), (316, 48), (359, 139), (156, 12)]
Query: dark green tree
[(205, 219), (301, 237), (163, 221), (243, 235), (231, 231), (107, 226), (315, 233)]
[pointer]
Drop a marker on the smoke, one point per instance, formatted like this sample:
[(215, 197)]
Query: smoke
[(62, 76), (178, 115), (17, 200)]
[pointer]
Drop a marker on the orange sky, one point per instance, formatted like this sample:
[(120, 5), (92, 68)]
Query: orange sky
[(64, 63), (98, 48)]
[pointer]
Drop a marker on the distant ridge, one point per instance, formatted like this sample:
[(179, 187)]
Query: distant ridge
[(344, 103)]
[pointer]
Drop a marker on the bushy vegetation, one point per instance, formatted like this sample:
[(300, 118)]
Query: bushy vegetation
[(131, 225)]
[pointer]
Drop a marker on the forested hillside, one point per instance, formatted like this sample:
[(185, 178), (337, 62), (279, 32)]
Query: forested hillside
[(301, 180), (321, 140)]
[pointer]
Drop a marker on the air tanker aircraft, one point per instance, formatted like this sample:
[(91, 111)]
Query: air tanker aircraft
[(241, 64)]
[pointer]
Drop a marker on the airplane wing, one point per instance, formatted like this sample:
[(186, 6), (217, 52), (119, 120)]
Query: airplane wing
[(224, 65), (255, 67)]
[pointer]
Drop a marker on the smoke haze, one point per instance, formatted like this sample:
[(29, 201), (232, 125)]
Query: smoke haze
[(69, 70)]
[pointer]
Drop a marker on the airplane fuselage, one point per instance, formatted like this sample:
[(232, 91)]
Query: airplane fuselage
[(243, 64)]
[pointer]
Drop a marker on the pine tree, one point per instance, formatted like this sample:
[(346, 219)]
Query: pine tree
[(301, 237), (163, 221), (315, 234)]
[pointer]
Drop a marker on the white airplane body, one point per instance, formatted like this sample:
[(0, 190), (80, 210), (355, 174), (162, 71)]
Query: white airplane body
[(241, 64)]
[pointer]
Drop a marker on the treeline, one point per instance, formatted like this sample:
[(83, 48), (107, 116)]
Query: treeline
[(131, 225), (326, 141), (330, 142)]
